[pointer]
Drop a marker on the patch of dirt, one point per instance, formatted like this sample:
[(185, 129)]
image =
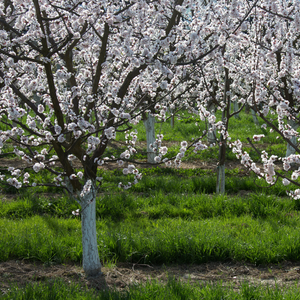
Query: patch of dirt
[(196, 164), (125, 274)]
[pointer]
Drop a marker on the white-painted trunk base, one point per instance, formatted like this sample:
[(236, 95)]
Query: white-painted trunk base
[(90, 255), (150, 133), (289, 149), (235, 109), (220, 179), (211, 133), (172, 119), (254, 117)]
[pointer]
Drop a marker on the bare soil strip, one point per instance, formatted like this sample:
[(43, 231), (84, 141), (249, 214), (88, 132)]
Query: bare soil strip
[(124, 275)]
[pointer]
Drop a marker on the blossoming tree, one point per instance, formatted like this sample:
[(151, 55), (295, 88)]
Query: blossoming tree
[(73, 74), (273, 71), (221, 81)]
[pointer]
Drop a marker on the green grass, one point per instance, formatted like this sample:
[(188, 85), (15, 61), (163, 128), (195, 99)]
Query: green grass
[(173, 290), (170, 216), (264, 237), (158, 197), (162, 179), (188, 128)]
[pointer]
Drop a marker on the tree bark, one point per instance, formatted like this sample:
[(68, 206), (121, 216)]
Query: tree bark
[(150, 133), (289, 149), (236, 108), (211, 133), (220, 189), (172, 119), (220, 179), (255, 120), (90, 255)]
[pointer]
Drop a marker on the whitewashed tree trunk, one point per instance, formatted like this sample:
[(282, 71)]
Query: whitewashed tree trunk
[(150, 133), (172, 119), (220, 179), (211, 133), (255, 120), (220, 188), (289, 149), (90, 255), (236, 108)]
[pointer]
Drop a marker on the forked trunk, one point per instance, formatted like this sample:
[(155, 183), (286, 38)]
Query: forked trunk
[(90, 255), (150, 133)]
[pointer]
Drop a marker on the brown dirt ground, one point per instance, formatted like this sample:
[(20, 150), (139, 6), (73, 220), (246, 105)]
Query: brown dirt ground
[(124, 275), (196, 164)]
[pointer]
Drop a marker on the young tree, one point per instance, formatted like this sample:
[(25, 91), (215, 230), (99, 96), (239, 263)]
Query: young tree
[(273, 69), (221, 83), (76, 73)]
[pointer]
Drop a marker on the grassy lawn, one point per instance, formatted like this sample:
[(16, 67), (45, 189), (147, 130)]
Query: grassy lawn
[(171, 217)]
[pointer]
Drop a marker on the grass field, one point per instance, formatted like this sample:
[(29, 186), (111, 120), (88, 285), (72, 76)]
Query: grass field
[(171, 218)]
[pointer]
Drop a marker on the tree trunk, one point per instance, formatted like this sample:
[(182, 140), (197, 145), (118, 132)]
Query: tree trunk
[(220, 189), (172, 119), (236, 108), (211, 133), (150, 133), (289, 149), (90, 255), (255, 120), (220, 179), (247, 108)]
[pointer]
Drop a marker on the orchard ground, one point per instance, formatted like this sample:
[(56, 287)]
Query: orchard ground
[(121, 276), (124, 275), (180, 197)]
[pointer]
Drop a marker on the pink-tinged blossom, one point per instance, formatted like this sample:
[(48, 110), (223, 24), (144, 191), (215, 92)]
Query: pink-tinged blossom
[(295, 194), (182, 150), (110, 133), (26, 178), (41, 108), (14, 182), (80, 174), (184, 144), (169, 164), (71, 157), (125, 154), (100, 162), (86, 188), (76, 212), (258, 137), (125, 116), (157, 159), (61, 139), (131, 168), (38, 167), (57, 129), (163, 150), (73, 176), (285, 181), (295, 176), (120, 162)]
